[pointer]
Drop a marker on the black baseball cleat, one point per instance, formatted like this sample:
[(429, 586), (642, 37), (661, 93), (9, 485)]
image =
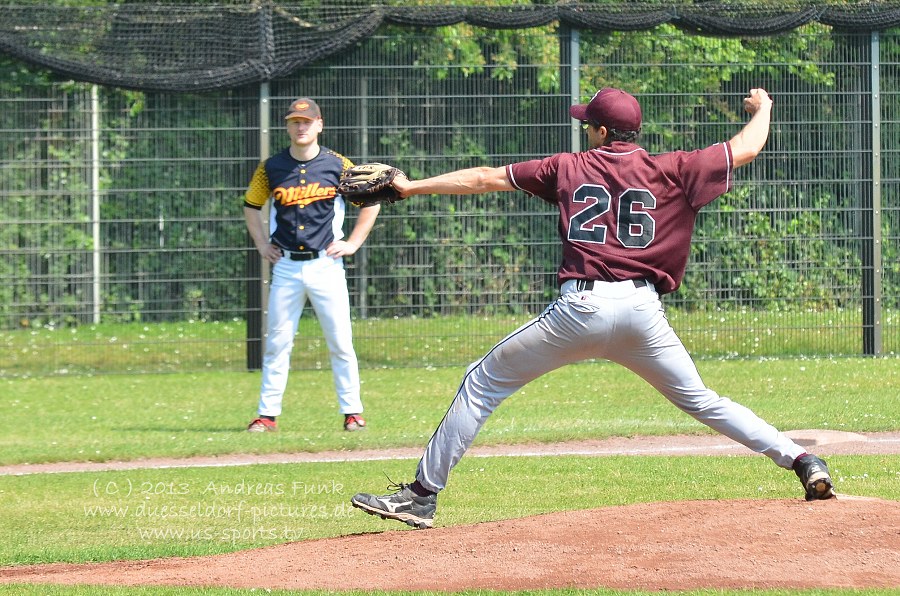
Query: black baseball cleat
[(403, 505), (813, 473)]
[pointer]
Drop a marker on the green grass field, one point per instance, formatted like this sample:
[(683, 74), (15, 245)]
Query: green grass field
[(100, 418), (160, 512), (407, 342)]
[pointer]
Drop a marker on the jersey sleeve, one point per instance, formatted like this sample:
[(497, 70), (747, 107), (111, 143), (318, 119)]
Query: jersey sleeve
[(706, 174), (536, 177), (346, 164), (258, 191)]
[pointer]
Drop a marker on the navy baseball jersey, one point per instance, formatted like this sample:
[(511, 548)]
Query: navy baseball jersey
[(308, 212), (626, 214)]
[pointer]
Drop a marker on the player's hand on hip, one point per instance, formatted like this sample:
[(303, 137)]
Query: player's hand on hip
[(271, 253), (757, 99), (341, 248)]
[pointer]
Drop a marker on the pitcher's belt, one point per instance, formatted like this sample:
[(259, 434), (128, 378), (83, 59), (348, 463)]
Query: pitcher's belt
[(588, 284)]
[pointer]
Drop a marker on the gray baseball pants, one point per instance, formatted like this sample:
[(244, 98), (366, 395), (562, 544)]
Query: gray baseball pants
[(616, 321)]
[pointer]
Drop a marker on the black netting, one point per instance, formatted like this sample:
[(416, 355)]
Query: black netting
[(605, 19), (868, 17), (513, 17), (425, 16), (193, 46), (724, 22)]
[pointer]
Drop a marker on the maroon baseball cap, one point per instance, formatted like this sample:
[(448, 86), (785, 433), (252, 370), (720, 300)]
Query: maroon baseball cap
[(612, 108), (303, 107)]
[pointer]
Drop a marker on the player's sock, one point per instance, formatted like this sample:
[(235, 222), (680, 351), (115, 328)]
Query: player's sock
[(421, 490)]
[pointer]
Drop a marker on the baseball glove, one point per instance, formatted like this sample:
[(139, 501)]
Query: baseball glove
[(369, 184)]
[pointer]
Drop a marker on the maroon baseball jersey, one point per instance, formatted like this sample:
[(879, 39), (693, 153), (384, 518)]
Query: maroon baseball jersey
[(623, 213)]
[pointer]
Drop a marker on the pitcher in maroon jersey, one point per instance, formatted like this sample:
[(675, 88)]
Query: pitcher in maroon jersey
[(625, 221)]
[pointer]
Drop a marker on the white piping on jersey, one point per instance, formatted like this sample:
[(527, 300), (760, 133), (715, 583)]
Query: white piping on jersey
[(616, 153), (730, 166), (512, 179)]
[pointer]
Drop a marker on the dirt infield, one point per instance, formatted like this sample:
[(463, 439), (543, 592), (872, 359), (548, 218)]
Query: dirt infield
[(651, 546), (843, 542)]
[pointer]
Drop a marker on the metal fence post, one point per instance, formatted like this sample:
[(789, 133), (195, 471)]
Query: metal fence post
[(257, 267), (362, 255), (570, 66), (97, 297), (871, 232)]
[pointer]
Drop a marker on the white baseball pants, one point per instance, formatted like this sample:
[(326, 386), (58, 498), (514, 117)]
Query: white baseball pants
[(323, 281), (614, 321)]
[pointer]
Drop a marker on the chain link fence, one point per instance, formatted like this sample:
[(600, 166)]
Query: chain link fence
[(124, 246)]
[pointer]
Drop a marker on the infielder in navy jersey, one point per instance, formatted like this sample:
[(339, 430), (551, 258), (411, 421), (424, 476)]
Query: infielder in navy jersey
[(304, 241), (625, 221)]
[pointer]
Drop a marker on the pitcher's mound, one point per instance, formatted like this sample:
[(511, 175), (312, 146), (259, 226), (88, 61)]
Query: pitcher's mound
[(843, 542)]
